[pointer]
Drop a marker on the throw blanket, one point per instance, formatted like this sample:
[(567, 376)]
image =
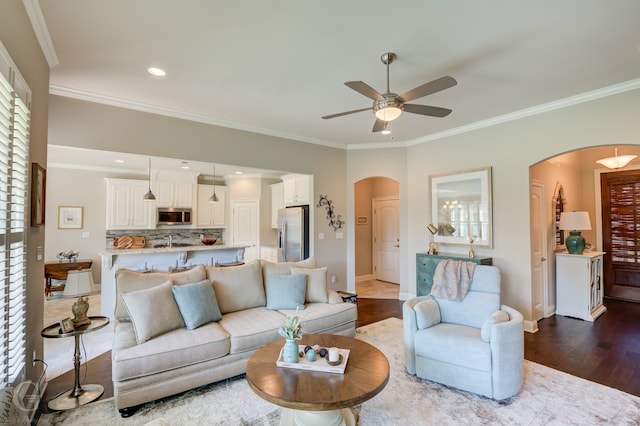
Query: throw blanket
[(452, 279)]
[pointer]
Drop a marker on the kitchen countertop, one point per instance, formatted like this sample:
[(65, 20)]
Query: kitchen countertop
[(148, 250)]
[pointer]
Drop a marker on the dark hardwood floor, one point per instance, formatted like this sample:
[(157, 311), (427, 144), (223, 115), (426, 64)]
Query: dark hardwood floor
[(606, 351)]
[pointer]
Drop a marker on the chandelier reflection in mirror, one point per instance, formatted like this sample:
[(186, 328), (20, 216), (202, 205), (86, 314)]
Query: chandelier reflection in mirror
[(335, 222)]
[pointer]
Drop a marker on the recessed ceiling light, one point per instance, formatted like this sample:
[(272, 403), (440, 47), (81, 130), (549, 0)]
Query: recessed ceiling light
[(238, 172), (119, 161), (158, 72)]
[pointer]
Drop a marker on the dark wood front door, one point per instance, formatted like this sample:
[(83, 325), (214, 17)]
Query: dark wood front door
[(621, 234)]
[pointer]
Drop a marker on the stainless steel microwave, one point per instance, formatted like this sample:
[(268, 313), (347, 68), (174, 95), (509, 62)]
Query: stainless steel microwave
[(171, 216)]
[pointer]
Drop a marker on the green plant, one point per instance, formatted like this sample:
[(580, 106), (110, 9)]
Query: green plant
[(292, 328)]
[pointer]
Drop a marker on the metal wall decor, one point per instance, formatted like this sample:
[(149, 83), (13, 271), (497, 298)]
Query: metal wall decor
[(335, 222)]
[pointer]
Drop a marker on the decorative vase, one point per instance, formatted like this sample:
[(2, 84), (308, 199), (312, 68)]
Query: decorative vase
[(575, 242), (290, 351)]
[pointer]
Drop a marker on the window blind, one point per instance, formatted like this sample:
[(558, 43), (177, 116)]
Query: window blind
[(14, 153), (624, 205)]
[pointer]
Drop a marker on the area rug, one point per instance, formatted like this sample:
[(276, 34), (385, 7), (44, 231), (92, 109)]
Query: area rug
[(549, 397)]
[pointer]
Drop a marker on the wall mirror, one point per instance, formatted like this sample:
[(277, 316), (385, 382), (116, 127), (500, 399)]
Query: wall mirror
[(461, 207)]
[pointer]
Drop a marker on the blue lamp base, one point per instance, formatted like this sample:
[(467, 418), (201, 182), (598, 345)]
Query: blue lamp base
[(575, 242)]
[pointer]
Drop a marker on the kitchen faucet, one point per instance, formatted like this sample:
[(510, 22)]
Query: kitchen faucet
[(170, 240)]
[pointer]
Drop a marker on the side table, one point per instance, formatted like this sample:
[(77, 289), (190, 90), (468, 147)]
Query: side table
[(79, 395), (58, 271)]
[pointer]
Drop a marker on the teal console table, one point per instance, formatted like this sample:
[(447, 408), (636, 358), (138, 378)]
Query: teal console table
[(426, 267)]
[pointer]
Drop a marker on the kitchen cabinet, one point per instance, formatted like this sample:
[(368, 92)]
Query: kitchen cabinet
[(296, 190), (174, 194), (126, 208), (426, 266), (277, 202), (211, 215), (579, 285)]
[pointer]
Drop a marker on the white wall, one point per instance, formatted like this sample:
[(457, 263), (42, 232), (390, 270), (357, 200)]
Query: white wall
[(510, 149)]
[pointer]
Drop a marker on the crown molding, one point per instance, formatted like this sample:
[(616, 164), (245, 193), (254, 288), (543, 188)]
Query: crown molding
[(34, 12)]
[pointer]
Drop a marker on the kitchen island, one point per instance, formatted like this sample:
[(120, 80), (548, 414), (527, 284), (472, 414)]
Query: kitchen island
[(163, 259)]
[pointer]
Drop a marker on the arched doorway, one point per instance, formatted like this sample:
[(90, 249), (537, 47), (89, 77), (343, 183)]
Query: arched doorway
[(377, 237)]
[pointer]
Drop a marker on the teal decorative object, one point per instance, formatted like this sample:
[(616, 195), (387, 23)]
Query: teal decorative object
[(290, 351), (311, 355), (575, 242)]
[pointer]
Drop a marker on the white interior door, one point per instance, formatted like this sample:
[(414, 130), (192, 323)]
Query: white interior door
[(386, 239), (245, 227), (539, 252)]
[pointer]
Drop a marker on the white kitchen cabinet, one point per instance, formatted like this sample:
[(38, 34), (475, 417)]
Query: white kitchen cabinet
[(211, 215), (277, 202), (174, 194), (579, 285), (126, 208), (296, 190)]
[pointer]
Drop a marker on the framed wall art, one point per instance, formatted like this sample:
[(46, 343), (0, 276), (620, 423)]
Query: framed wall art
[(69, 217), (461, 207), (38, 194)]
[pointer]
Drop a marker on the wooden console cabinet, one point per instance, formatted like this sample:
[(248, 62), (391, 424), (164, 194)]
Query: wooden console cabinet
[(426, 267), (58, 271), (579, 285)]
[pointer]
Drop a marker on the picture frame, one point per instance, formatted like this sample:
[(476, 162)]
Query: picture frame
[(461, 207), (70, 217), (38, 194), (362, 220), (66, 325)]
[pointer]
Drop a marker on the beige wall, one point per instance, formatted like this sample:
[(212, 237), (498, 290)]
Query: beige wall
[(18, 38)]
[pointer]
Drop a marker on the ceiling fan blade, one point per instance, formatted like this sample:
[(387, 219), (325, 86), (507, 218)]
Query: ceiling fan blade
[(427, 110), (364, 89), (378, 125), (429, 88), (340, 114)]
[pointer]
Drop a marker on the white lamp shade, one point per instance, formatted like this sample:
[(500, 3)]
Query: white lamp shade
[(575, 221), (79, 283)]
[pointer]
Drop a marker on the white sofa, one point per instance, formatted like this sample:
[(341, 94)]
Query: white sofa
[(155, 355)]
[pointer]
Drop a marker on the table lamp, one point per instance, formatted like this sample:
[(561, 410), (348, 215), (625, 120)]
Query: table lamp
[(79, 284), (574, 222)]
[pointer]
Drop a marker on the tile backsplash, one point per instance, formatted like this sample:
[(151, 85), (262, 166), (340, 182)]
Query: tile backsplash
[(161, 236)]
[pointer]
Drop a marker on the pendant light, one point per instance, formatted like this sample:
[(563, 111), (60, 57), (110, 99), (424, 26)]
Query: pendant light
[(149, 195), (616, 162), (214, 197)]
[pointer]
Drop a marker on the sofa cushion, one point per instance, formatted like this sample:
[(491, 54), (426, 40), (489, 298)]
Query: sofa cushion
[(284, 268), (238, 287), (143, 307), (286, 292), (494, 318), (316, 283), (175, 349), (197, 303), (128, 281), (252, 328), (456, 344)]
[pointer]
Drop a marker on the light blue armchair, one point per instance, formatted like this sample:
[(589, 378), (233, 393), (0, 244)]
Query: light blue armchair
[(476, 345)]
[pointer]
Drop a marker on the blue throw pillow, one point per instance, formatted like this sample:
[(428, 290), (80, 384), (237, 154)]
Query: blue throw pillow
[(197, 303), (286, 291)]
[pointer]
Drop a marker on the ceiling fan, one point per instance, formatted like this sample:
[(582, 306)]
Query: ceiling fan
[(388, 106)]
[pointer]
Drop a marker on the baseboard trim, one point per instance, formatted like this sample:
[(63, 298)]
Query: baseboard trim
[(530, 326), (361, 278)]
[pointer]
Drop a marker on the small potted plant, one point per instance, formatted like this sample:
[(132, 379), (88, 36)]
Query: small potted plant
[(291, 331)]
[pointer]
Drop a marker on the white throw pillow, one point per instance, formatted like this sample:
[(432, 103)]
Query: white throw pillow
[(153, 311), (316, 283), (494, 318)]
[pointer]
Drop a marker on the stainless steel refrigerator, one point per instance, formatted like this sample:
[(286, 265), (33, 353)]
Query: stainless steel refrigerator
[(293, 234)]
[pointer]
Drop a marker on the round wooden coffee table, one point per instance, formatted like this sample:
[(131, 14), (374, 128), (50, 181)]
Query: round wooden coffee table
[(314, 397)]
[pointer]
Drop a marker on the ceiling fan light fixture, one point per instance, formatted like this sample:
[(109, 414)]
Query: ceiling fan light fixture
[(616, 162), (389, 108)]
